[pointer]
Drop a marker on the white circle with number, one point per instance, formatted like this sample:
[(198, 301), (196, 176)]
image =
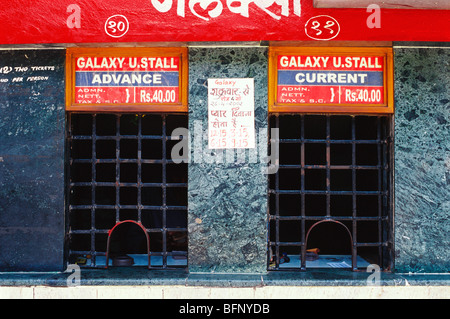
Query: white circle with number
[(116, 26), (322, 27)]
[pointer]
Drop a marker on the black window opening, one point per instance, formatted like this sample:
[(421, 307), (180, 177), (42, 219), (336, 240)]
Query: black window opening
[(127, 199), (330, 200)]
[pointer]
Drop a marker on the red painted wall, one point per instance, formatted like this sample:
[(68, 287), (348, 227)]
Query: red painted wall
[(85, 21)]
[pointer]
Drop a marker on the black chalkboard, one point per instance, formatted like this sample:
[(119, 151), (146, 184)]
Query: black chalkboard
[(31, 89), (32, 159), (25, 73)]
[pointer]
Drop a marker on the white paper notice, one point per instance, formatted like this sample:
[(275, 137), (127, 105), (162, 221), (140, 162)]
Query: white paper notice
[(231, 113)]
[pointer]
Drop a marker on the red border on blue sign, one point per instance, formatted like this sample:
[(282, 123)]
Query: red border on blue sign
[(126, 79), (331, 80)]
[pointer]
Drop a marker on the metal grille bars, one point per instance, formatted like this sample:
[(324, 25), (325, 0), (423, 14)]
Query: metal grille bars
[(334, 168), (119, 169)]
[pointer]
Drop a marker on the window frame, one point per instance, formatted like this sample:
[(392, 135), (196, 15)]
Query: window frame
[(92, 231), (385, 208)]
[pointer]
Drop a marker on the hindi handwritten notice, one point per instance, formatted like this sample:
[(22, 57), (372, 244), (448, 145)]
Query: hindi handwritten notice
[(231, 113)]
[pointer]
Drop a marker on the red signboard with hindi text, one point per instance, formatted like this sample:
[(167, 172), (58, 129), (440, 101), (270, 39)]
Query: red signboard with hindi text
[(144, 21)]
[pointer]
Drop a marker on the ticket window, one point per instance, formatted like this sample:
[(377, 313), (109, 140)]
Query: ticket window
[(127, 198), (330, 200)]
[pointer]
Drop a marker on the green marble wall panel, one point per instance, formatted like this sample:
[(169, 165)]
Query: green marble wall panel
[(422, 159), (227, 199)]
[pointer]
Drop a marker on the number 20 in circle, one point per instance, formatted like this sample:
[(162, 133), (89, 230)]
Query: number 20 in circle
[(322, 27), (116, 26)]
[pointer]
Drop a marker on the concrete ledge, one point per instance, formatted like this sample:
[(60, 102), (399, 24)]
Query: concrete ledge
[(265, 292), (142, 283), (123, 276)]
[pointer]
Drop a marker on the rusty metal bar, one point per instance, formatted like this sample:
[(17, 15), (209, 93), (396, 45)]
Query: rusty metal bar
[(354, 208), (302, 189)]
